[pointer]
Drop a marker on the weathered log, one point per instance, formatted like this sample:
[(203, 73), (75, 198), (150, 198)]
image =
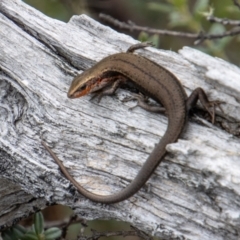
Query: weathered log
[(193, 194)]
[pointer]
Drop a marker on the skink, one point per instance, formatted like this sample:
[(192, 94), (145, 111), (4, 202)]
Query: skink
[(154, 81)]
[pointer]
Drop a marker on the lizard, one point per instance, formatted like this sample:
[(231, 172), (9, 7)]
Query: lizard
[(154, 81)]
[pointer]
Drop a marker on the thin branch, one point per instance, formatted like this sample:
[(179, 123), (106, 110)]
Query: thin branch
[(200, 37), (133, 27), (233, 32), (223, 21), (236, 3)]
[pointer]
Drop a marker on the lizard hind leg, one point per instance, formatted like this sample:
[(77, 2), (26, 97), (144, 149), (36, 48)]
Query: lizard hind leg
[(209, 106)]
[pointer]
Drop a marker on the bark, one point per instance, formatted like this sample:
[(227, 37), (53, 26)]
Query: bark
[(193, 194)]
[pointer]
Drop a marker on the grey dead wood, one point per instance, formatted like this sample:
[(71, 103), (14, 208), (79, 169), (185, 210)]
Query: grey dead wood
[(193, 194)]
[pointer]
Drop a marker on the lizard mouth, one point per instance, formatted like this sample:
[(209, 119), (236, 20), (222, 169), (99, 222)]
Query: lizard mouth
[(84, 90), (90, 87)]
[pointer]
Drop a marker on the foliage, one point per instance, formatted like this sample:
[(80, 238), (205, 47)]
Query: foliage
[(178, 15), (36, 232), (190, 16)]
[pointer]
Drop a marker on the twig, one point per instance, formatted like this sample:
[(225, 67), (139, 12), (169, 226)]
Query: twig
[(133, 27), (224, 21), (200, 37), (232, 32), (236, 3)]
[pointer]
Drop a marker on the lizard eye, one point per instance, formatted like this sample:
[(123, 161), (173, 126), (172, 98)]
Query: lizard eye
[(83, 87)]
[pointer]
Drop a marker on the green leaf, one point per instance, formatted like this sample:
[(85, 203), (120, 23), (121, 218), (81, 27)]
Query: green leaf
[(14, 233), (30, 236), (216, 28), (161, 7), (8, 235), (155, 40), (178, 18), (38, 223), (179, 3), (19, 231), (201, 5), (52, 233), (33, 229), (143, 37)]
